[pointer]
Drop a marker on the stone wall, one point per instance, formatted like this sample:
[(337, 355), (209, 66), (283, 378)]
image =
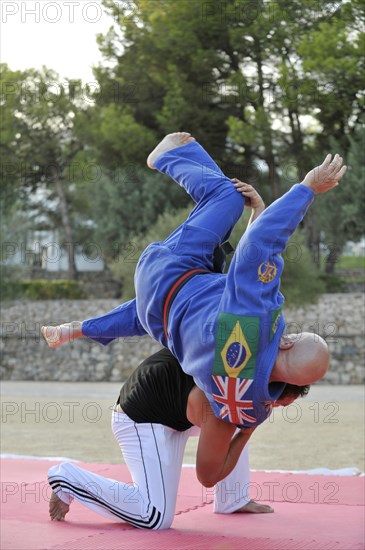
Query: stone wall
[(339, 318)]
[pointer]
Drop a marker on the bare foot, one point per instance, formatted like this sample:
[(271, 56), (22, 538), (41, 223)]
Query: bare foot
[(57, 508), (253, 507), (52, 336), (169, 142), (56, 336)]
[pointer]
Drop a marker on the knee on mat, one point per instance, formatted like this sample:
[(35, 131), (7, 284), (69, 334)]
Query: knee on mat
[(64, 470), (53, 470), (163, 525), (166, 522)]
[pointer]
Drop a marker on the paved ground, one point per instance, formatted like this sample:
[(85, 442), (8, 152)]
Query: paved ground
[(72, 420)]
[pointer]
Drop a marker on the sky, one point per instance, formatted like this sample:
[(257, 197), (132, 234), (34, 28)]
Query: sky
[(60, 34)]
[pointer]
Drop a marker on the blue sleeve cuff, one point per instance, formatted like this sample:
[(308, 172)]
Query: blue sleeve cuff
[(304, 189)]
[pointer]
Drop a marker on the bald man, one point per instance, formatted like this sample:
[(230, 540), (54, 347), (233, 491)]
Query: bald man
[(225, 330)]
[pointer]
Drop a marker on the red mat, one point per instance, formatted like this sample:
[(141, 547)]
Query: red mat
[(312, 512)]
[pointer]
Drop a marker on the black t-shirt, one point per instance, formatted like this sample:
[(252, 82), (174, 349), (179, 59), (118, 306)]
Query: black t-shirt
[(157, 391)]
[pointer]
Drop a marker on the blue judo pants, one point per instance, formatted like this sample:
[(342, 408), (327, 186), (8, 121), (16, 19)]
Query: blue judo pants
[(191, 245), (218, 205)]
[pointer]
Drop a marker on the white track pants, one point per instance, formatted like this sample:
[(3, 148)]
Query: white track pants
[(154, 455)]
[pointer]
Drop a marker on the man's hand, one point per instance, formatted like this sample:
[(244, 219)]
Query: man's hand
[(251, 196), (326, 176)]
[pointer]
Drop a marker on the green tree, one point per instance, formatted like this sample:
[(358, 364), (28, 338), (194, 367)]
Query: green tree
[(40, 146), (342, 211), (124, 265), (127, 202), (170, 62), (247, 68), (15, 224), (332, 61), (314, 89), (264, 86)]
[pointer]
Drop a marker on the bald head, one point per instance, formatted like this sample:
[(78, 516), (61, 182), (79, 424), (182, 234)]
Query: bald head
[(302, 359)]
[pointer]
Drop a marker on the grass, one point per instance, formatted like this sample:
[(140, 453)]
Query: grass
[(351, 262)]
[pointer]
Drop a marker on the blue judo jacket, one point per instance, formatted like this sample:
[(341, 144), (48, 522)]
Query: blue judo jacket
[(224, 329)]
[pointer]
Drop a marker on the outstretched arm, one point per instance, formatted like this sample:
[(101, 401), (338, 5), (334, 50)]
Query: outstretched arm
[(257, 263), (279, 221), (219, 447), (120, 322)]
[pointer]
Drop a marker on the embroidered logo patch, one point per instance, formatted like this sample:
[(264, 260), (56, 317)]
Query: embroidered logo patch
[(236, 346), (267, 272), (275, 316)]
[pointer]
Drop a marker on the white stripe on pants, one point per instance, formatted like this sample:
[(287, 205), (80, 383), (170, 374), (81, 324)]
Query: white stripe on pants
[(154, 455)]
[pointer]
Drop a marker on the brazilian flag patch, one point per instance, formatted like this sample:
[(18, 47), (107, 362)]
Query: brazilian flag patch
[(236, 346)]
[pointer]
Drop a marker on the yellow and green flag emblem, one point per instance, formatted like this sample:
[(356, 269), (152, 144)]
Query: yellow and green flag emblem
[(236, 346)]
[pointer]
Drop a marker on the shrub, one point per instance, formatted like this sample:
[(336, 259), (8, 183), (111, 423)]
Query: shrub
[(10, 289), (333, 283), (300, 282), (124, 266), (351, 262), (41, 289)]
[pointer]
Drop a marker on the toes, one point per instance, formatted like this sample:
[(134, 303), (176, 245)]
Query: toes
[(52, 336), (53, 514), (47, 332), (179, 135), (169, 142), (57, 511), (57, 517), (183, 136), (188, 140), (53, 510)]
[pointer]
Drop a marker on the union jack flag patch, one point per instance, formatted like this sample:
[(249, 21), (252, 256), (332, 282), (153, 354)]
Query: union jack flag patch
[(229, 393)]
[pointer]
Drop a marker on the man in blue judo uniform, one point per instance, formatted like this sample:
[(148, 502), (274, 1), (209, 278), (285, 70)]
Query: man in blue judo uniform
[(225, 330)]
